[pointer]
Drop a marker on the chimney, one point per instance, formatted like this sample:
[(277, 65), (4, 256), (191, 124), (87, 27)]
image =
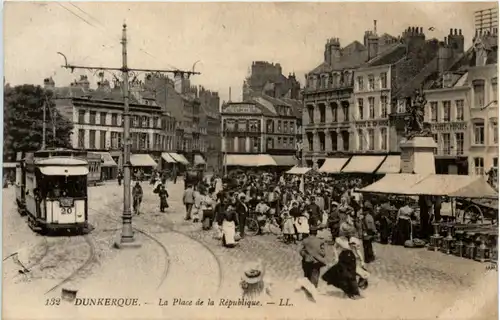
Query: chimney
[(372, 42), (179, 82), (334, 51), (445, 55), (48, 83), (327, 55)]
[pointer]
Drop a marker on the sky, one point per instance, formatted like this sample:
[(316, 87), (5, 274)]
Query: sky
[(223, 37)]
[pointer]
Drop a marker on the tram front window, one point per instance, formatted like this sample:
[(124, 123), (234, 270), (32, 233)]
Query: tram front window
[(70, 187)]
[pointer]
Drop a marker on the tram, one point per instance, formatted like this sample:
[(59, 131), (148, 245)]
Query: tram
[(51, 189)]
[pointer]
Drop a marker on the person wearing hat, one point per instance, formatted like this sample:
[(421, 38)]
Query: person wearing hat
[(334, 220), (369, 232), (242, 211), (402, 230), (252, 281), (313, 256)]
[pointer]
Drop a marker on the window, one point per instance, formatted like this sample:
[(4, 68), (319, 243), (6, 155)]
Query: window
[(102, 137), (446, 144), (434, 111), (383, 138), (446, 111), (436, 140), (383, 80), (371, 107), (333, 136), (479, 166), (310, 110), (114, 119), (310, 141), (459, 104), (92, 117), (494, 89), (270, 143), (494, 127), (81, 138), (361, 139), (495, 162), (335, 80), (81, 116), (345, 111), (345, 140), (334, 107), (144, 122), (114, 140), (280, 145), (383, 107), (360, 109), (322, 113), (136, 122), (360, 84), (401, 106), (371, 139), (255, 144), (270, 126), (292, 127), (92, 139), (478, 87), (459, 139), (285, 126), (103, 118), (371, 82), (279, 125), (478, 133), (322, 141)]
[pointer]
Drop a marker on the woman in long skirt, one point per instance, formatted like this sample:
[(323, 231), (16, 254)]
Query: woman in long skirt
[(229, 229), (343, 274)]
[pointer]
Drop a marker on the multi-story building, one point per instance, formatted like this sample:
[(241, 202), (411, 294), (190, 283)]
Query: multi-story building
[(97, 117), (267, 78), (210, 114), (261, 131)]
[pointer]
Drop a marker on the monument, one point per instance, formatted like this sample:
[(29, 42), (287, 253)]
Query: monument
[(417, 149)]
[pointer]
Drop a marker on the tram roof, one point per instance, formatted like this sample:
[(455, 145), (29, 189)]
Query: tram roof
[(61, 161)]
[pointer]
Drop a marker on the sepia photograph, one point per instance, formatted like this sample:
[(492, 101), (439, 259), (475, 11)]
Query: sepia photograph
[(239, 160)]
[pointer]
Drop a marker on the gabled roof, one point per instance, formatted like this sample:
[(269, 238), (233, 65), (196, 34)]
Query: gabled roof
[(391, 55)]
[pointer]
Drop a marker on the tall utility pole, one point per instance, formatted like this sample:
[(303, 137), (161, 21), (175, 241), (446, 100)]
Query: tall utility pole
[(127, 235), (44, 125)]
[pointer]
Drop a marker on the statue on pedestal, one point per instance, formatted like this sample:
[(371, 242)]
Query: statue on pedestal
[(415, 126)]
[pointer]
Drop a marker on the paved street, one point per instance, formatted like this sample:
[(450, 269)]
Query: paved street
[(196, 265)]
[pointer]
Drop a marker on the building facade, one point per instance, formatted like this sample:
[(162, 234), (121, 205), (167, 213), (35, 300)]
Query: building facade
[(262, 125)]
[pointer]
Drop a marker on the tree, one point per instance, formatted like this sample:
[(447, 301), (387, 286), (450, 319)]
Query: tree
[(23, 121)]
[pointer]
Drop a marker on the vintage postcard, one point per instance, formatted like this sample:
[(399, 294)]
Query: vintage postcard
[(267, 160)]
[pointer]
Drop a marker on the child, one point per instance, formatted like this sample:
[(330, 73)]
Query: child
[(288, 227)]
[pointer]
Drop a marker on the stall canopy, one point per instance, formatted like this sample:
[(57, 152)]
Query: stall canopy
[(285, 161), (478, 188), (198, 160), (107, 160), (142, 160), (168, 158), (363, 164), (249, 160), (394, 183), (452, 185), (391, 164), (333, 165), (179, 158), (299, 170)]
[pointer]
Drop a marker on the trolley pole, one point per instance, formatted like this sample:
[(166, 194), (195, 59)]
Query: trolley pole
[(127, 235)]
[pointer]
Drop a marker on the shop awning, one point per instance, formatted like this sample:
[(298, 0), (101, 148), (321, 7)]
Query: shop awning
[(299, 170), (198, 160), (333, 165), (142, 160), (249, 160), (9, 164), (167, 157), (64, 171), (363, 164), (285, 161), (391, 164), (444, 185), (394, 183), (478, 188), (179, 158), (107, 160)]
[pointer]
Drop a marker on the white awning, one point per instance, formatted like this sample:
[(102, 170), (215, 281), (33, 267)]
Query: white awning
[(9, 164), (299, 170), (394, 183), (64, 171), (107, 159), (167, 157), (333, 165), (391, 164), (249, 160), (442, 184), (285, 160), (363, 164), (179, 158), (142, 160), (198, 160)]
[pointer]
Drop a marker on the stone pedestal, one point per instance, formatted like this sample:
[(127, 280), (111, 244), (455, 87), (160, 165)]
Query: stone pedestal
[(417, 155)]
